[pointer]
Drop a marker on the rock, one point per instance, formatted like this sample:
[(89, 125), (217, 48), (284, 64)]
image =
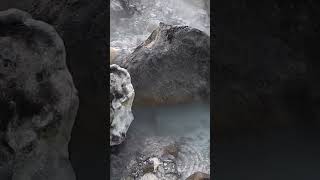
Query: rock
[(117, 54), (83, 27), (152, 158), (113, 54), (121, 98), (149, 176), (171, 66), (199, 176), (38, 100), (171, 149)]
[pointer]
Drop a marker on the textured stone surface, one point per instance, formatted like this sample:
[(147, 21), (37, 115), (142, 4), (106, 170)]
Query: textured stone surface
[(149, 176), (83, 27), (199, 176), (121, 98), (38, 100), (171, 66), (154, 162)]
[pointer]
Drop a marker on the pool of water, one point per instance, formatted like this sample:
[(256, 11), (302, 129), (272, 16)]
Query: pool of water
[(153, 128)]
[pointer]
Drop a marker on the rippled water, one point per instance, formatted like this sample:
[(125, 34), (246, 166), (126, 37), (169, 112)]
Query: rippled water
[(188, 126)]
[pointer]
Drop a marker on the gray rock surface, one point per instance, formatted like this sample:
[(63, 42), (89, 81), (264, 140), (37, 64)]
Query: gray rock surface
[(199, 176), (83, 27), (171, 66), (121, 98), (38, 100)]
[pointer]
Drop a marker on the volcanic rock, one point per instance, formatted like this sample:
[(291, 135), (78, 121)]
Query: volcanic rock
[(123, 8), (171, 66), (38, 100), (121, 98), (83, 27)]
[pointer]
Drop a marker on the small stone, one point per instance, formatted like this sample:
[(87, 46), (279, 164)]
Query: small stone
[(171, 149)]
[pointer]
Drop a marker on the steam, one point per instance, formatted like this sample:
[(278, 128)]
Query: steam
[(128, 33)]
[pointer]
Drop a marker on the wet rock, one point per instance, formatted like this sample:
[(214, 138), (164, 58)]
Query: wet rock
[(171, 149), (153, 161), (141, 155), (117, 54), (154, 167), (149, 176), (121, 98), (38, 100), (171, 66), (199, 176)]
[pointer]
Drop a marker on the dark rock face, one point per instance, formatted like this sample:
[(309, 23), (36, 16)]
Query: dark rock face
[(171, 66), (38, 100), (82, 25)]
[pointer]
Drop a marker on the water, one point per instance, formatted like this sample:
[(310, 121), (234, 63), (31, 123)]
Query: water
[(154, 127)]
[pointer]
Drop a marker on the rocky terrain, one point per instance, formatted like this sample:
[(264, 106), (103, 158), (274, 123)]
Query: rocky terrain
[(82, 26), (38, 100), (169, 65)]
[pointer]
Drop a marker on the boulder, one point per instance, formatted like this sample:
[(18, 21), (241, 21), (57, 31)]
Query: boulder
[(83, 27), (121, 98), (38, 100), (171, 66)]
